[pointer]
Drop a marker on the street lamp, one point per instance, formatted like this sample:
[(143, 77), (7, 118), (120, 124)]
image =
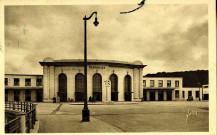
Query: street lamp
[(199, 90), (85, 111)]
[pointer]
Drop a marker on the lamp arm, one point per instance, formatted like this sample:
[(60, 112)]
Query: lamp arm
[(89, 16)]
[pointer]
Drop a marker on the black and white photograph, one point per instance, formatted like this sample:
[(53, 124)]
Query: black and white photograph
[(140, 66)]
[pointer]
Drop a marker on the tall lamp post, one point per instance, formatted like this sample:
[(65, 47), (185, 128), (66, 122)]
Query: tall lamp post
[(199, 90), (85, 111)]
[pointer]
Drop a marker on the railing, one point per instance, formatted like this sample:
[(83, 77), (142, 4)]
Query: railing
[(13, 126), (30, 116)]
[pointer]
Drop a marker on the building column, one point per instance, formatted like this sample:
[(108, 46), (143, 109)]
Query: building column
[(70, 82), (156, 95), (148, 95), (11, 95), (141, 83), (120, 87), (51, 82), (165, 95), (33, 96), (180, 95), (173, 94), (136, 85), (89, 85), (45, 82), (22, 96)]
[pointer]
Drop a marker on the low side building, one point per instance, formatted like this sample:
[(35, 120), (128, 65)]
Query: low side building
[(161, 88), (171, 88), (23, 87)]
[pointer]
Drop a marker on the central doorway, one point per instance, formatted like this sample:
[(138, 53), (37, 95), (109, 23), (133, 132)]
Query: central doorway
[(127, 88), (169, 95), (114, 87), (97, 86), (79, 87), (62, 87), (160, 95)]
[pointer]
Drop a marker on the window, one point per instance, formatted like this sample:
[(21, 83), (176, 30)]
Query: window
[(151, 83), (16, 81), (160, 83), (38, 82), (97, 83), (16, 95), (177, 93), (197, 94), (183, 94), (189, 93), (206, 86), (168, 83), (144, 83), (177, 83), (28, 82), (6, 81)]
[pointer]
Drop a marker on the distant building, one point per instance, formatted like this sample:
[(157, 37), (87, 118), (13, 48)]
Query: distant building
[(20, 87), (171, 88)]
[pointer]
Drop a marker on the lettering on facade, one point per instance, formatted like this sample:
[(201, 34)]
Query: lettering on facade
[(96, 67)]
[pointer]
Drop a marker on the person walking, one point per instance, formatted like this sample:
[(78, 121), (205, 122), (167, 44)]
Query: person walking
[(90, 99)]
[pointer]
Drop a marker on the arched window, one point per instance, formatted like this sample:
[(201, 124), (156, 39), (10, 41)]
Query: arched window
[(114, 87), (79, 82), (127, 83), (97, 86), (114, 83), (127, 88), (62, 87), (79, 87)]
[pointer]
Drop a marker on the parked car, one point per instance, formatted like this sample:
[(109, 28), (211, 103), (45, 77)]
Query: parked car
[(190, 98)]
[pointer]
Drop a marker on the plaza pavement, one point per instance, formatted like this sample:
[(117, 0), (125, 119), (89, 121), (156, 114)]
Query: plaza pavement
[(164, 116)]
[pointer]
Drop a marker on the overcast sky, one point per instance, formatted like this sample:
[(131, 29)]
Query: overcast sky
[(164, 37)]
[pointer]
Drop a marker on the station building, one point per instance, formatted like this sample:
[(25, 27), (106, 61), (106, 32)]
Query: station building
[(65, 79), (171, 88)]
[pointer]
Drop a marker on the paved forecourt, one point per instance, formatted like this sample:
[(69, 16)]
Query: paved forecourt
[(180, 116)]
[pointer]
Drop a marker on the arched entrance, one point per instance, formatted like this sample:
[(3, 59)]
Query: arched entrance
[(62, 87), (97, 86), (127, 88), (79, 87), (114, 87)]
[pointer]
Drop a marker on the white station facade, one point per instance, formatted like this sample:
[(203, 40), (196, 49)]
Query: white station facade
[(64, 79)]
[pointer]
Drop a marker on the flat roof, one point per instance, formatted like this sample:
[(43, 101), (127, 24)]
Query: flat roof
[(80, 62), (25, 74)]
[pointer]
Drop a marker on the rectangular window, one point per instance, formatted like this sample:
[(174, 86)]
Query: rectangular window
[(197, 94), (38, 82), (151, 83), (177, 93), (28, 82), (160, 83), (189, 93), (183, 94), (16, 95), (16, 81), (176, 83), (144, 83), (6, 81), (168, 83)]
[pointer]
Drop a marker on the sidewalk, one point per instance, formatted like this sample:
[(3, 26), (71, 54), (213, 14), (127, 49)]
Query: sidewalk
[(73, 124)]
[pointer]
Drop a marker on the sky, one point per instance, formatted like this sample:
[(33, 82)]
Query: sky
[(164, 37)]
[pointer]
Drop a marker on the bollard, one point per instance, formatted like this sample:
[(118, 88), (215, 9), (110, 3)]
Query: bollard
[(36, 111), (22, 122)]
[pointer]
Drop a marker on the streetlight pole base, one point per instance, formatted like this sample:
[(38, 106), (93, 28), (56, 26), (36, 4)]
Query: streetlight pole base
[(85, 115)]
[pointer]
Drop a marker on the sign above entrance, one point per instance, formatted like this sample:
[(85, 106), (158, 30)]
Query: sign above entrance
[(96, 67), (107, 83)]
